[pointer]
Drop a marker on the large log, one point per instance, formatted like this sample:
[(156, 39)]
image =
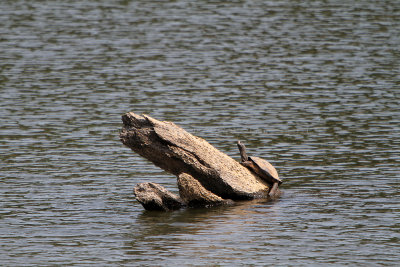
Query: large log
[(194, 160)]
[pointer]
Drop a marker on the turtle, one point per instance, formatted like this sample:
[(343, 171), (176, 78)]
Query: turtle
[(262, 168)]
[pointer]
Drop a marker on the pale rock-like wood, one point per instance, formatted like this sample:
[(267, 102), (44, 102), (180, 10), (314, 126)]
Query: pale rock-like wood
[(178, 152), (155, 197), (194, 194)]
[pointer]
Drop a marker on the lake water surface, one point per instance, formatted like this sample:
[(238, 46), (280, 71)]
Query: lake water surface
[(312, 86)]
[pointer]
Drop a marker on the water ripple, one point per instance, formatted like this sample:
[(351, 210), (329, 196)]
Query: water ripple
[(310, 86)]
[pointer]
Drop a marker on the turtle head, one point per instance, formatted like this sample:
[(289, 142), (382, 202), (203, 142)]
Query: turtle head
[(242, 149)]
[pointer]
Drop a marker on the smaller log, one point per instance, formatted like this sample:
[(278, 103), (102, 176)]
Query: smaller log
[(153, 196)]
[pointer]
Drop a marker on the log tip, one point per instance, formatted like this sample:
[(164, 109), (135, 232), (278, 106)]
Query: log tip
[(131, 119)]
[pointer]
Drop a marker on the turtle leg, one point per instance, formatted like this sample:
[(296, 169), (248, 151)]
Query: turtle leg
[(274, 192)]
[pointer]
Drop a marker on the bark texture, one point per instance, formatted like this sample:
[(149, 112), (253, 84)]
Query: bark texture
[(194, 194), (205, 174)]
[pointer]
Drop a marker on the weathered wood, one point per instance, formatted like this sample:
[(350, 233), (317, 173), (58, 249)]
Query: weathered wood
[(194, 194), (178, 152)]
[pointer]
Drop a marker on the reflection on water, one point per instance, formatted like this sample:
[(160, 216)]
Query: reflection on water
[(312, 86), (205, 232)]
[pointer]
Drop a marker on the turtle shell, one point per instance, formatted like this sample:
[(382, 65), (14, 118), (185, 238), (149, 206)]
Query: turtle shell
[(267, 169)]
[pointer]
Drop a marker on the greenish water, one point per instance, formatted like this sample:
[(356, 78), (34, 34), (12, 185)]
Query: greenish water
[(312, 86)]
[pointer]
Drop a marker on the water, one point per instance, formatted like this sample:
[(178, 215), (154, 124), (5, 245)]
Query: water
[(312, 86)]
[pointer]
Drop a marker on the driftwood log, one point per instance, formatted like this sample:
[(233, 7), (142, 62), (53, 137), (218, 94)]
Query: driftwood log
[(205, 175)]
